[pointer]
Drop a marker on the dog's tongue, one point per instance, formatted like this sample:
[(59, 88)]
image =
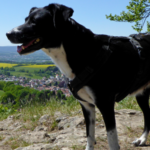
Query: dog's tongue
[(23, 47)]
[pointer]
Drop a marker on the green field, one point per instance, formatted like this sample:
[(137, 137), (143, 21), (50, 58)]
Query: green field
[(24, 74), (33, 71)]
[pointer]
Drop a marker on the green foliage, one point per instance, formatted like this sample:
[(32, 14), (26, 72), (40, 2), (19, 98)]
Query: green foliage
[(8, 86), (148, 26), (16, 97), (2, 84), (138, 12), (60, 95), (1, 92), (12, 69), (6, 110), (20, 96), (49, 71), (7, 98)]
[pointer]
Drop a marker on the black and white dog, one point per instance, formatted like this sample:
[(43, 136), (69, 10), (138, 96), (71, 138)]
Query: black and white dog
[(102, 69)]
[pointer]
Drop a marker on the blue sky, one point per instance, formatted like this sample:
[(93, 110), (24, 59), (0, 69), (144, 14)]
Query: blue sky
[(89, 13)]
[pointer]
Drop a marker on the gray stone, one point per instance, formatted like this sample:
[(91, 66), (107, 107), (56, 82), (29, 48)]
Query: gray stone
[(71, 122), (35, 137), (44, 119), (39, 146), (41, 128)]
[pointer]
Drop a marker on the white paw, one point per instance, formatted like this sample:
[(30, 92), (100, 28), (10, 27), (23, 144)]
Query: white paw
[(89, 147), (139, 142)]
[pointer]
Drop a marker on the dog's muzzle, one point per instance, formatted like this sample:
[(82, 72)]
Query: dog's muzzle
[(13, 37)]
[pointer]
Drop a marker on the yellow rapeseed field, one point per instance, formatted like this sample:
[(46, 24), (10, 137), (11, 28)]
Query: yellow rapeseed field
[(39, 66), (4, 65)]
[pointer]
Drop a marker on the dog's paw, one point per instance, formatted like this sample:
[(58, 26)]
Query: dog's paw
[(89, 147), (139, 142)]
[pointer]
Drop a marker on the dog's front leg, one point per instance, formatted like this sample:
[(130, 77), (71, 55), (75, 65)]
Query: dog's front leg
[(89, 115)]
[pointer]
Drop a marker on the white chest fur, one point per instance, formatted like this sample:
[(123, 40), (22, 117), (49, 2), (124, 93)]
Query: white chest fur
[(58, 55)]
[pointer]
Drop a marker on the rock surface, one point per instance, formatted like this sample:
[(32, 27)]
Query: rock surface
[(71, 131)]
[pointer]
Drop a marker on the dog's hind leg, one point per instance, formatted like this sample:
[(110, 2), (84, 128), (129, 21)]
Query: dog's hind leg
[(143, 101), (89, 115), (107, 109)]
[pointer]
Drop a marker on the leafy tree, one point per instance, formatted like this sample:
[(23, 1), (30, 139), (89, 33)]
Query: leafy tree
[(63, 97), (21, 70), (8, 86), (53, 93), (8, 97), (22, 93), (138, 12), (6, 69), (22, 97), (55, 69), (2, 84), (8, 74), (12, 69), (41, 95), (17, 89), (60, 95), (47, 94)]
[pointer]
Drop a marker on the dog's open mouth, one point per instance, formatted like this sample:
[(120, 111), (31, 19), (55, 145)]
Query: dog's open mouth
[(27, 46)]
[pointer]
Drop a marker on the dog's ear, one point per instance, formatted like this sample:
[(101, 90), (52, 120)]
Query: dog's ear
[(66, 12), (32, 9), (59, 12)]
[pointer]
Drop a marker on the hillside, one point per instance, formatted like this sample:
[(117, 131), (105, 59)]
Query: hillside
[(9, 53)]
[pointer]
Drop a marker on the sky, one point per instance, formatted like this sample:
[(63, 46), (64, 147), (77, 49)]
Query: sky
[(89, 13)]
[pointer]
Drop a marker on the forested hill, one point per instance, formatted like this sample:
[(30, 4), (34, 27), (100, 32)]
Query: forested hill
[(9, 53)]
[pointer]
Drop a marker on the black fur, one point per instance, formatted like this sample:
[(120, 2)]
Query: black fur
[(122, 74)]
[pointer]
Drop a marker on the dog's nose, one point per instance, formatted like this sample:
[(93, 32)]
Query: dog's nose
[(8, 34), (11, 37)]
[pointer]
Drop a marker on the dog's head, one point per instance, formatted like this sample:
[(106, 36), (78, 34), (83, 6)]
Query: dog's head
[(41, 28)]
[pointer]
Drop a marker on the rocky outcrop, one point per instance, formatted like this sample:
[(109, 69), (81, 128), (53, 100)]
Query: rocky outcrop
[(70, 131)]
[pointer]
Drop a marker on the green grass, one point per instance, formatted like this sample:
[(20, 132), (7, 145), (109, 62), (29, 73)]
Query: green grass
[(128, 103), (50, 107)]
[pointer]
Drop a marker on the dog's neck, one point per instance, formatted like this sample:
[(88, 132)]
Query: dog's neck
[(58, 55), (79, 45)]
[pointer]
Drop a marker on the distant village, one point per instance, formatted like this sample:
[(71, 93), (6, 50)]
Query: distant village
[(41, 84)]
